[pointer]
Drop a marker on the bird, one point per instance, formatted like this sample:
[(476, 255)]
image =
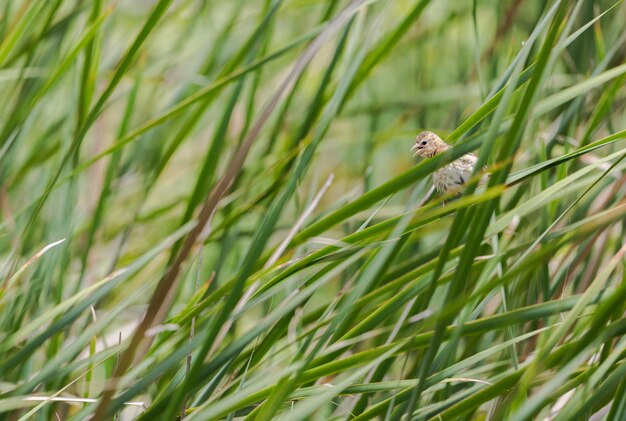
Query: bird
[(450, 178)]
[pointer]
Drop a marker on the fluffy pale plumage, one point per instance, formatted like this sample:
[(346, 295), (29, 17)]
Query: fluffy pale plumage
[(452, 177)]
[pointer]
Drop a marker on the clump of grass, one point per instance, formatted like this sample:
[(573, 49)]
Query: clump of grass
[(210, 211)]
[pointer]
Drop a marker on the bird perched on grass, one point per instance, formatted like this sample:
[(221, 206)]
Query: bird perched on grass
[(451, 177)]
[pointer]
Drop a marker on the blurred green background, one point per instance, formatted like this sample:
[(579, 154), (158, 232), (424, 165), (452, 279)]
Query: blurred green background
[(215, 203)]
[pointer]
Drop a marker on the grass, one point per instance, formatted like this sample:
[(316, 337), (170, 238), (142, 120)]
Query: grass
[(209, 210)]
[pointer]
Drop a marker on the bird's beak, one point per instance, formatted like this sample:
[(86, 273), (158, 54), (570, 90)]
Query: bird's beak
[(415, 149)]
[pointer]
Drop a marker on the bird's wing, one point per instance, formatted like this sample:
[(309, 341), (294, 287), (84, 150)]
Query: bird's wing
[(468, 160), (474, 159)]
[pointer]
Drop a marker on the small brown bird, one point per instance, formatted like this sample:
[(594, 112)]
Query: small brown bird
[(451, 177)]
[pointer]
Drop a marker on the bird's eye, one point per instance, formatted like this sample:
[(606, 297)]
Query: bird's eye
[(424, 142)]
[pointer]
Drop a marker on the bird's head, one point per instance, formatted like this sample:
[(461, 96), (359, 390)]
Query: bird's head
[(428, 144)]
